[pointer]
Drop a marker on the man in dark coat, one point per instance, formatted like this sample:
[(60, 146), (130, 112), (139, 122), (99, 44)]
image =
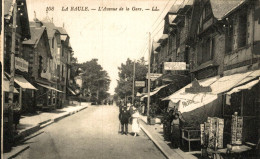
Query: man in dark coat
[(124, 117)]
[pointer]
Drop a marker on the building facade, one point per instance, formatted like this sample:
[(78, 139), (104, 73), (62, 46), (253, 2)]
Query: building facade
[(219, 42)]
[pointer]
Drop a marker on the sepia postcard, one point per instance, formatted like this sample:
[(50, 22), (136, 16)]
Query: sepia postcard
[(108, 79)]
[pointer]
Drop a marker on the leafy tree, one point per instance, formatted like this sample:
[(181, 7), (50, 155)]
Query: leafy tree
[(125, 82), (95, 80), (74, 72)]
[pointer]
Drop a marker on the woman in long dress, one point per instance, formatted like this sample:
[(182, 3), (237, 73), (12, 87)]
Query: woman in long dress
[(135, 121)]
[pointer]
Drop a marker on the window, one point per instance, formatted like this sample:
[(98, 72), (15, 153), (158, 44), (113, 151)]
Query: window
[(52, 43), (229, 36), (242, 28), (62, 70), (62, 52), (40, 66), (208, 49), (207, 10), (177, 43), (170, 45)]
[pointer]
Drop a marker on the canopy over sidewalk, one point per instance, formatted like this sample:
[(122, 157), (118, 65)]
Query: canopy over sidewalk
[(155, 91), (202, 98)]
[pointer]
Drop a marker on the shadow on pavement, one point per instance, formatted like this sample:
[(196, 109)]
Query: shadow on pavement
[(23, 126)]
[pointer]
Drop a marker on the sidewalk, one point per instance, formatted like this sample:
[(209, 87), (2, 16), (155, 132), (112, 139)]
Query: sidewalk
[(30, 124), (155, 133)]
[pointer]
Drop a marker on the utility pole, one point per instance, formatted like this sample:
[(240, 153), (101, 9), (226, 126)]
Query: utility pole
[(12, 73), (149, 77), (133, 96)]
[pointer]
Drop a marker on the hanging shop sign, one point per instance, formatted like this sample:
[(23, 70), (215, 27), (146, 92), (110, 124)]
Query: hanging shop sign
[(174, 66), (140, 83), (21, 64), (154, 76)]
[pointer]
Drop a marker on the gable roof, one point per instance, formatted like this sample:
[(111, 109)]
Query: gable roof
[(221, 8), (62, 31), (51, 28), (36, 34)]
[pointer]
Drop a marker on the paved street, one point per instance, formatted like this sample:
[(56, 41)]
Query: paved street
[(91, 133)]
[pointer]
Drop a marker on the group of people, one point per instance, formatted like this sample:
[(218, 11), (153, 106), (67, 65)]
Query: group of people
[(129, 114), (172, 123)]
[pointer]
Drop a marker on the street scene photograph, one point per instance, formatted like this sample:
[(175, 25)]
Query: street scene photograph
[(133, 79)]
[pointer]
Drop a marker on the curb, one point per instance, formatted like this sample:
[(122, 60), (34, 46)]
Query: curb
[(166, 154), (17, 151), (26, 132), (177, 153)]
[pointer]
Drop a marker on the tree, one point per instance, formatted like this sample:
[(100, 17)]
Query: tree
[(125, 82), (95, 80), (74, 72)]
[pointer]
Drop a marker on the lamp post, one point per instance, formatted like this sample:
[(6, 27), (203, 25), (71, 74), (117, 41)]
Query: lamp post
[(12, 74)]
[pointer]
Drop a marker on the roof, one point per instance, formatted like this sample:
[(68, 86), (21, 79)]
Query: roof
[(36, 33), (8, 8), (24, 20), (174, 9), (62, 31), (221, 8), (51, 28)]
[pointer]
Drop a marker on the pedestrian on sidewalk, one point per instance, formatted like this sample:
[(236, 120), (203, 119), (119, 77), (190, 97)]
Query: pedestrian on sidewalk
[(135, 121), (176, 131), (16, 114), (124, 117)]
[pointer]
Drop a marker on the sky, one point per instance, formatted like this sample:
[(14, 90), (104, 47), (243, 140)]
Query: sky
[(110, 36)]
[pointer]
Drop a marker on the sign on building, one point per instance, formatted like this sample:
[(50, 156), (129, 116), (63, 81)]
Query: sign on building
[(154, 76), (174, 66), (140, 83), (21, 64)]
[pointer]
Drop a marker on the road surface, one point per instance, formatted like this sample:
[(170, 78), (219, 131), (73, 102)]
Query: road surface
[(91, 133)]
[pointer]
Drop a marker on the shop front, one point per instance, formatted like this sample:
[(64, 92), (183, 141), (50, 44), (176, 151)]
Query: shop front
[(220, 98), (26, 94), (46, 96)]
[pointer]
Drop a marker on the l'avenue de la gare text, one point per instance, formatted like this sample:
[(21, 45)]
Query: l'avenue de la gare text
[(86, 8)]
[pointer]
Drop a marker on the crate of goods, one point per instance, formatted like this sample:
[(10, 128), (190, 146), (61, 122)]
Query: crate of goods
[(236, 129), (213, 130)]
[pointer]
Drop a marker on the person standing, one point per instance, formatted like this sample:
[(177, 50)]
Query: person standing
[(135, 121), (124, 117), (176, 131)]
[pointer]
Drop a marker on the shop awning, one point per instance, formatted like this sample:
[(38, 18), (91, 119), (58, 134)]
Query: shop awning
[(22, 82), (243, 87), (192, 100), (227, 83), (49, 87), (156, 90), (71, 91), (6, 84)]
